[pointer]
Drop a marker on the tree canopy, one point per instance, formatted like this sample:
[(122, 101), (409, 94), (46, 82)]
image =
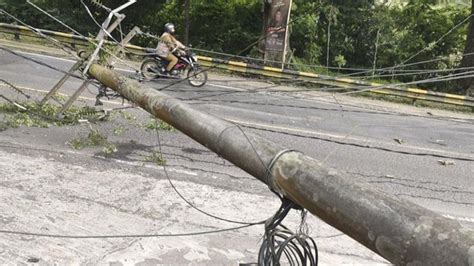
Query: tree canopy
[(340, 33)]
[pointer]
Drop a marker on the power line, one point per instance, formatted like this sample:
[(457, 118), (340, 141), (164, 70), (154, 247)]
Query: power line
[(458, 76), (359, 88), (174, 83), (432, 45), (39, 62), (34, 234), (419, 73), (191, 204), (58, 44), (214, 231), (389, 69), (365, 146), (239, 53), (429, 47), (15, 88), (107, 51)]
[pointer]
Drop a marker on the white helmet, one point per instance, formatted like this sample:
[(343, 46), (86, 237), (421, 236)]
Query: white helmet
[(169, 28)]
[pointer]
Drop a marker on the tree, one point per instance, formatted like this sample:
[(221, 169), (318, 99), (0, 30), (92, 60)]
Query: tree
[(468, 58)]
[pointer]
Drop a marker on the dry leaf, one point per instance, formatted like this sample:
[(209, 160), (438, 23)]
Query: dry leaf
[(398, 140), (446, 163)]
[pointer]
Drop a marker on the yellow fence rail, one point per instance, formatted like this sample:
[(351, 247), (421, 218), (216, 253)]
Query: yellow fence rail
[(346, 83)]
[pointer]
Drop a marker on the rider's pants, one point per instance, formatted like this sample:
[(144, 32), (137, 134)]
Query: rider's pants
[(173, 60)]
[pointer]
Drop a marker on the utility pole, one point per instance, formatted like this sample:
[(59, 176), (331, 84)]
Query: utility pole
[(398, 230)]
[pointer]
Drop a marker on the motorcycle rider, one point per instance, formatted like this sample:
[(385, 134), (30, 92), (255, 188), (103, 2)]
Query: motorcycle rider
[(167, 45)]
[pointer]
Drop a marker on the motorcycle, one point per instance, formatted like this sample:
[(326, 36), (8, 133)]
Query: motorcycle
[(154, 67)]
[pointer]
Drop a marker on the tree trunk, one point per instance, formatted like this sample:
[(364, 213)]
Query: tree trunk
[(467, 84), (186, 21), (266, 15)]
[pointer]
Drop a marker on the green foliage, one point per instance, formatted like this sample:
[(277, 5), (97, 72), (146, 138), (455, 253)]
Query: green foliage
[(340, 61), (43, 115), (22, 119), (127, 116), (118, 130), (156, 157), (406, 33), (93, 139), (227, 26), (156, 124)]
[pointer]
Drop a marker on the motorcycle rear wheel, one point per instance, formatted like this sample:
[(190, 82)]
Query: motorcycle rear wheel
[(196, 76), (150, 68)]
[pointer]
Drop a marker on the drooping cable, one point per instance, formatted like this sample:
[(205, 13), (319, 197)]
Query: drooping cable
[(189, 202)]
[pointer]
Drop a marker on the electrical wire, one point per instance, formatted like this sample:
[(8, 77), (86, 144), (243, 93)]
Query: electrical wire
[(63, 24), (365, 146), (238, 54), (107, 51), (98, 24), (276, 219), (54, 68), (418, 73), (191, 204), (15, 88), (355, 89), (432, 45), (57, 43), (279, 242), (111, 236), (298, 248), (389, 69), (39, 62), (99, 4), (253, 59), (117, 41), (136, 69), (242, 224)]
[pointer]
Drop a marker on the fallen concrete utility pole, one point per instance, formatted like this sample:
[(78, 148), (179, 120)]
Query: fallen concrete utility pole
[(398, 230)]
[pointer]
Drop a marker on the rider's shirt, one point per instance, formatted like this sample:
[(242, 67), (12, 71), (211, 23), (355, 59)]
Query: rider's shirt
[(167, 44)]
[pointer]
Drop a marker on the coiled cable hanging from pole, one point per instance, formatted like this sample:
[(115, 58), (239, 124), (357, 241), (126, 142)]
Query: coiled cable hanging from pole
[(282, 246)]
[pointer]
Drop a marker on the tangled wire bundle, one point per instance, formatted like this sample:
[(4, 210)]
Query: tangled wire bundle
[(299, 248)]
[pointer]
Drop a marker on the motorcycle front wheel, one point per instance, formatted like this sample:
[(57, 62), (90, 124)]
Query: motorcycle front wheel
[(150, 68), (196, 76)]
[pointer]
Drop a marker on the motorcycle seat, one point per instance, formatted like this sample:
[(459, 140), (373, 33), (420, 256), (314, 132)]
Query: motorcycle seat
[(150, 51)]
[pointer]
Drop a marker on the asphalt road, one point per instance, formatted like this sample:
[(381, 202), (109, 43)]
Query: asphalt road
[(425, 156)]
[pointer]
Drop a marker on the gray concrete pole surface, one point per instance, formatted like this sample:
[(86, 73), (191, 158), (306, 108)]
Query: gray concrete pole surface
[(398, 230)]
